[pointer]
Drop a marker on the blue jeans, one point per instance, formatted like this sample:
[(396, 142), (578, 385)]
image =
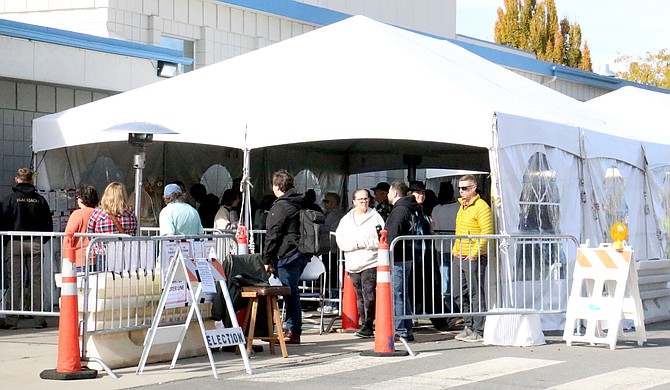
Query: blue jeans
[(444, 270), (289, 275), (401, 303)]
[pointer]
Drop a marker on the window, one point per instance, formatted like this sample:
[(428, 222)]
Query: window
[(614, 207), (306, 180), (216, 179), (186, 47)]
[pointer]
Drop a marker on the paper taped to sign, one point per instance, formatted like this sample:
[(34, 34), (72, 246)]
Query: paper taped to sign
[(224, 337)]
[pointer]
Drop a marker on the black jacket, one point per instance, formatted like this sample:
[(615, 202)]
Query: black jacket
[(402, 222), (26, 210), (283, 227)]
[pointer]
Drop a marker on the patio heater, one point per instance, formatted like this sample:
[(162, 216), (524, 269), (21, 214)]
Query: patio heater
[(140, 135)]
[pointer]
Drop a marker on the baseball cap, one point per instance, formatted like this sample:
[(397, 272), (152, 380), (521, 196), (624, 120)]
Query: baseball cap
[(171, 189)]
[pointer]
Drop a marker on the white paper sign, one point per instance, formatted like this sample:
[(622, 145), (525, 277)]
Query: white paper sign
[(177, 295), (168, 253), (205, 274), (224, 337)]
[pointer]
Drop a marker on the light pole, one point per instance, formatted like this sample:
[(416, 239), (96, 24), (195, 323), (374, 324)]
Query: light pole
[(140, 135)]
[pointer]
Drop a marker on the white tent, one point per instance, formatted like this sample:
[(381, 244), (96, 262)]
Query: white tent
[(351, 97), (645, 113), (338, 88), (358, 96)]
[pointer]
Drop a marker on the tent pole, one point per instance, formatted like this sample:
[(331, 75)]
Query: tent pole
[(412, 162), (140, 158)]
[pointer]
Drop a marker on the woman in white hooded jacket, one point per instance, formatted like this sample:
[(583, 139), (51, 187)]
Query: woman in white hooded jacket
[(358, 238)]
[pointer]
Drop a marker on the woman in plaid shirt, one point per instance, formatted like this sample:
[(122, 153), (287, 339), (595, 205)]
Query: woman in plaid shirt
[(113, 215)]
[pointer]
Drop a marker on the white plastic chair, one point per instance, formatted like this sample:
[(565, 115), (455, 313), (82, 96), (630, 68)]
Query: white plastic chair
[(314, 272)]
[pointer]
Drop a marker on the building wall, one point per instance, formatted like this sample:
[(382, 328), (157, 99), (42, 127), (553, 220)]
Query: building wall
[(63, 65), (20, 103), (437, 17), (219, 31), (575, 90)]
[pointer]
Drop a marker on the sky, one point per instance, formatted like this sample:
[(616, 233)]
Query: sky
[(612, 28)]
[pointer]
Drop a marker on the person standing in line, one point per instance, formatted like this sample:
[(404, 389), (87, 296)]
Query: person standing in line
[(281, 253), (333, 211), (25, 210), (227, 218), (263, 211), (444, 220), (310, 200), (208, 204), (114, 215), (469, 258), (87, 200), (444, 214), (383, 206), (402, 222), (358, 238), (178, 217)]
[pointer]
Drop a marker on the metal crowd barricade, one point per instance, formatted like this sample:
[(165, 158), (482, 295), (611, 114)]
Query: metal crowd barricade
[(155, 231), (122, 287), (524, 273), (29, 262)]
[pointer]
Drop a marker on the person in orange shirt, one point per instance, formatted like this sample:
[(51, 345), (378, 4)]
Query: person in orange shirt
[(87, 200)]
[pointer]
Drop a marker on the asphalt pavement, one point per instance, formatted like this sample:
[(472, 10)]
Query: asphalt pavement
[(333, 361)]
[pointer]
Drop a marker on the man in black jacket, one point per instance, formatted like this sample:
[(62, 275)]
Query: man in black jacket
[(25, 210), (402, 222), (281, 247)]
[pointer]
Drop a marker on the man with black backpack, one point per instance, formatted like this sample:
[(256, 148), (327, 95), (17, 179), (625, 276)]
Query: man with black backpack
[(281, 253), (402, 222)]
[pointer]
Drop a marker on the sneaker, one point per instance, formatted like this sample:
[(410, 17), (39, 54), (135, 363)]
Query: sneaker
[(463, 334), (365, 333), (475, 337), (290, 338), (451, 325)]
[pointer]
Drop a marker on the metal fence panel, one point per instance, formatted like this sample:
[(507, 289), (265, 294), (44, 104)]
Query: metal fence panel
[(522, 274)]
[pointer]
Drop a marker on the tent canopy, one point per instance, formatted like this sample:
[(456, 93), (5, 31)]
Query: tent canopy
[(644, 111), (353, 80), (354, 96)]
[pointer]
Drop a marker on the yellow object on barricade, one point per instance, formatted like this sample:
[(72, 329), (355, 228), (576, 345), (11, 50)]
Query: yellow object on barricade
[(604, 291)]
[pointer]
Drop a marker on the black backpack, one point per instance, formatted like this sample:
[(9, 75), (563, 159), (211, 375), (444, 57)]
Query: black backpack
[(314, 234)]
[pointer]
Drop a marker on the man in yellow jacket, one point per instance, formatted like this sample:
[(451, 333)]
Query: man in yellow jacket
[(469, 258)]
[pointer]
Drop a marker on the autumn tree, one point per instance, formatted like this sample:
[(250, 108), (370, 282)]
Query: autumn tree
[(652, 69), (534, 26)]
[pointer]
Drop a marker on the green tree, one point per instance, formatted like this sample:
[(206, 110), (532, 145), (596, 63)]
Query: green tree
[(652, 69), (507, 26), (534, 26), (586, 63)]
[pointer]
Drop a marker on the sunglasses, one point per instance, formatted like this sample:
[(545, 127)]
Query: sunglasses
[(465, 188)]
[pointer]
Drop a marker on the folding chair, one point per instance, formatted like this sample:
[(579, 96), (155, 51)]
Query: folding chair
[(314, 272)]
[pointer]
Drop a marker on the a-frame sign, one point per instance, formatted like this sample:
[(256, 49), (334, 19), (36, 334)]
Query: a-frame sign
[(181, 273)]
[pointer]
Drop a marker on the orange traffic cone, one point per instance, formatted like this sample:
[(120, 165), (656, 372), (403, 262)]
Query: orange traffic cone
[(242, 241), (69, 366), (349, 306), (384, 329)]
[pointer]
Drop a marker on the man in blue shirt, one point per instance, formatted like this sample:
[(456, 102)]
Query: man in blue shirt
[(178, 217)]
